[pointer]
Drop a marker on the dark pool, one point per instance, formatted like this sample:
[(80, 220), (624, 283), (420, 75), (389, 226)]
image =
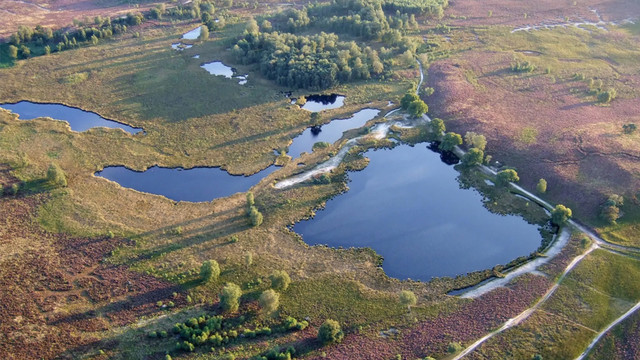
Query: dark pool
[(330, 132), (206, 184), (407, 205), (317, 102), (197, 184), (78, 119)]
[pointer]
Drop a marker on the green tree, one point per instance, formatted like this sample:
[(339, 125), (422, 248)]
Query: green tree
[(506, 176), (615, 200), (560, 214), (541, 187), (407, 99), (629, 128), (330, 332), (256, 216), (14, 189), (24, 52), (269, 301), (610, 214), (315, 119), (437, 128), (417, 108), (13, 52), (94, 40), (408, 298), (210, 270), (450, 141), (56, 176), (475, 140), (252, 27), (454, 348), (280, 280), (248, 259), (537, 357), (155, 13), (266, 26), (47, 50), (204, 33), (230, 297), (250, 200), (607, 96), (473, 157)]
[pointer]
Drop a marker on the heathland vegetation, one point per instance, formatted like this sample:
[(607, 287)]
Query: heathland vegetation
[(106, 272)]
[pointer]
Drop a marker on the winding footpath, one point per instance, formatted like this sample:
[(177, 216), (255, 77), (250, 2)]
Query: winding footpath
[(381, 130), (582, 25), (603, 332), (378, 132)]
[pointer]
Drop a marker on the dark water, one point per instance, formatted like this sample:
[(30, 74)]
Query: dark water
[(408, 207), (330, 132), (317, 102), (197, 184), (206, 184), (78, 119)]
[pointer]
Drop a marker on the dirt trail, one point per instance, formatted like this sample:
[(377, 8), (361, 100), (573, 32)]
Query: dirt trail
[(603, 332), (379, 131), (525, 314)]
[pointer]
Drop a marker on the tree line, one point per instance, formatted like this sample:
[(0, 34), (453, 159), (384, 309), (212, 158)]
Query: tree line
[(27, 42), (313, 62)]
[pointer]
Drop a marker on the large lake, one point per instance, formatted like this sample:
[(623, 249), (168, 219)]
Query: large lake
[(407, 205)]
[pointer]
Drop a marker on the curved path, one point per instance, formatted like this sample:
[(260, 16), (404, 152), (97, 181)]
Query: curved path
[(381, 130), (603, 332), (525, 314), (378, 131)]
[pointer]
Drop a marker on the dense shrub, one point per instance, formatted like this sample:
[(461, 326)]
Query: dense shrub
[(560, 214), (330, 332), (280, 280), (230, 297), (210, 270), (450, 141), (504, 177)]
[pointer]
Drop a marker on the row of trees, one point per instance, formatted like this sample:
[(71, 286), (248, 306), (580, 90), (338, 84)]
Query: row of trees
[(252, 211), (42, 40)]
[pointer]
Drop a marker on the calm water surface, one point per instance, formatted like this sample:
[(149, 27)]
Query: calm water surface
[(407, 205), (330, 132), (78, 119), (317, 103), (196, 185)]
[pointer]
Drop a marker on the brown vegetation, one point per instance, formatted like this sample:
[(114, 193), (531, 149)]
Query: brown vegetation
[(57, 290)]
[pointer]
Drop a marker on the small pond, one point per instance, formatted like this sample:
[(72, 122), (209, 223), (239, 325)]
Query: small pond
[(330, 132), (317, 102), (407, 205), (193, 34), (196, 185), (219, 69), (78, 119), (180, 46)]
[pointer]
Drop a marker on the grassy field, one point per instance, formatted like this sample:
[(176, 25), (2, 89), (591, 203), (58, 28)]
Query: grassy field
[(550, 125), (599, 290)]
